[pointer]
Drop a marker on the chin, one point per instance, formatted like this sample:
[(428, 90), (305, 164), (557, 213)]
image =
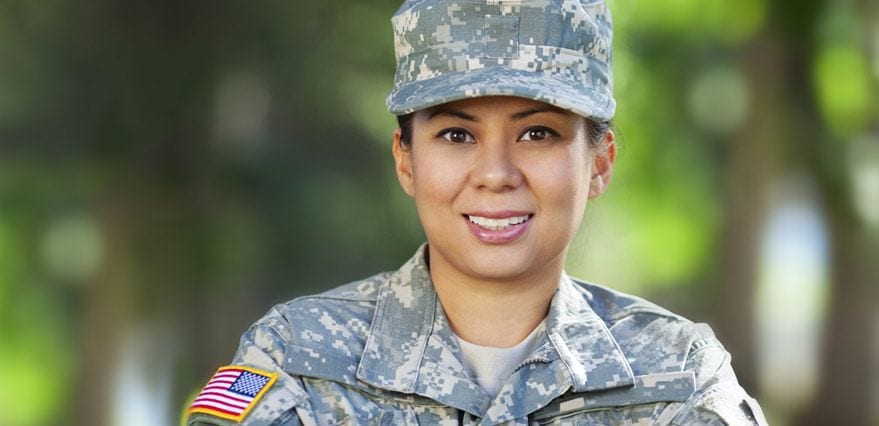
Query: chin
[(500, 268)]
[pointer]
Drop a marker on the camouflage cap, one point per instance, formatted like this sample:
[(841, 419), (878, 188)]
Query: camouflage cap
[(554, 51)]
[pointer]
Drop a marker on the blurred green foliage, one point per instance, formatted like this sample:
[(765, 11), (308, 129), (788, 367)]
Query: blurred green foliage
[(843, 83)]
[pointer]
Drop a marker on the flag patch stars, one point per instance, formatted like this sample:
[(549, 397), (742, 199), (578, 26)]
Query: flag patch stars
[(232, 392)]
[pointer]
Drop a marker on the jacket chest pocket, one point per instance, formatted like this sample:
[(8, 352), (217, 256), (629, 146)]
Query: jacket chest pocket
[(333, 403), (646, 414), (643, 403)]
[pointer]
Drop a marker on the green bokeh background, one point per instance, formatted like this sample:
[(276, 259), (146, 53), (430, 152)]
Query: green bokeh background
[(171, 169)]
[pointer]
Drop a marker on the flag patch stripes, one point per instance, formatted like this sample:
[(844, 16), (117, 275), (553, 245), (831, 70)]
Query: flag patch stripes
[(232, 392)]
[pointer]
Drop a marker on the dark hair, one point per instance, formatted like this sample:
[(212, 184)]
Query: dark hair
[(597, 130), (404, 122)]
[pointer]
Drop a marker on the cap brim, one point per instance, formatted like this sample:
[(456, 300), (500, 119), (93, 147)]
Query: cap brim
[(502, 81)]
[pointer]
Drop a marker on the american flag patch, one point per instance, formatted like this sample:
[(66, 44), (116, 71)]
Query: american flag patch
[(232, 392)]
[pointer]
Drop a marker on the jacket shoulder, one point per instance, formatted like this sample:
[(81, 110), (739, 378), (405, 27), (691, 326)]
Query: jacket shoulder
[(322, 335), (657, 341), (612, 305), (361, 290), (654, 339)]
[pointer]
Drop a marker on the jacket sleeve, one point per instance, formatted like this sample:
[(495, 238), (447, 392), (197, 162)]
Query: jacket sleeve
[(286, 401), (719, 399)]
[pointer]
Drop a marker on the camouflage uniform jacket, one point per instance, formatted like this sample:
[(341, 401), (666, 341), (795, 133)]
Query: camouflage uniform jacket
[(380, 351)]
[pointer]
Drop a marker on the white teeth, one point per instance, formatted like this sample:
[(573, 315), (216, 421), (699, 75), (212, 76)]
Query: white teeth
[(497, 224)]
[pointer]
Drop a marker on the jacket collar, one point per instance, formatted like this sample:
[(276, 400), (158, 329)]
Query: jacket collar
[(410, 348), (581, 338), (401, 326)]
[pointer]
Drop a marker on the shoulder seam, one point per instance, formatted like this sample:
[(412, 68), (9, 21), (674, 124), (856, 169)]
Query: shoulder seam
[(704, 343), (646, 309), (275, 309), (331, 294), (328, 297), (640, 304)]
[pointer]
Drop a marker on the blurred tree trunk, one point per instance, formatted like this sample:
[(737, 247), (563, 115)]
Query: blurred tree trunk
[(749, 170), (102, 325), (845, 388), (147, 122)]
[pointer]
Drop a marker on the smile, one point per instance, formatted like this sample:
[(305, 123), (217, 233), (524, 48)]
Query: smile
[(498, 224)]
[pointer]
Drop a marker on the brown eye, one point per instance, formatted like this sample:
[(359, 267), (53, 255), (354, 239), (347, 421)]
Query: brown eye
[(457, 136), (537, 134)]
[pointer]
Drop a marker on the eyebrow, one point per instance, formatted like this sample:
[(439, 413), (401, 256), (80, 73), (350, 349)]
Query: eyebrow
[(530, 112), (452, 112)]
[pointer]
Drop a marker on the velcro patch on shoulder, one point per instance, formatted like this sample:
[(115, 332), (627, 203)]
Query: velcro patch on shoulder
[(232, 392)]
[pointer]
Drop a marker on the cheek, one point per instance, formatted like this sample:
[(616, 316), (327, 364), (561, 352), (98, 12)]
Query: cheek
[(435, 178), (564, 178)]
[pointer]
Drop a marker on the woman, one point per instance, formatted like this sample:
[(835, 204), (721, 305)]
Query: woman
[(503, 109)]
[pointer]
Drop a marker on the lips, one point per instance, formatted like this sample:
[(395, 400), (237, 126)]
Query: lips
[(498, 227)]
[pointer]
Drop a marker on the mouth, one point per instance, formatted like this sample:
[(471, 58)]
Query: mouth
[(498, 224), (498, 228)]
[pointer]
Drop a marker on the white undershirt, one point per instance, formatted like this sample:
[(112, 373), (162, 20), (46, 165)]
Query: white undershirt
[(493, 366)]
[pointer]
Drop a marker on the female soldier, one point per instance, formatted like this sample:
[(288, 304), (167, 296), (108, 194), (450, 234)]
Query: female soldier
[(503, 108)]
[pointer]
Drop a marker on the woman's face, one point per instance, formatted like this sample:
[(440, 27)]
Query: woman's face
[(500, 184)]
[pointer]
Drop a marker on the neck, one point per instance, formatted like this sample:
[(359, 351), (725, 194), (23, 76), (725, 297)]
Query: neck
[(495, 313)]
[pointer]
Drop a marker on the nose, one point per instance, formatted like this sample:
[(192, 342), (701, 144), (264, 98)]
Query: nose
[(494, 168)]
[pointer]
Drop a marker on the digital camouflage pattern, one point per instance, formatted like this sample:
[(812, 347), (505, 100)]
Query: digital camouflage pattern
[(380, 351), (554, 51)]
